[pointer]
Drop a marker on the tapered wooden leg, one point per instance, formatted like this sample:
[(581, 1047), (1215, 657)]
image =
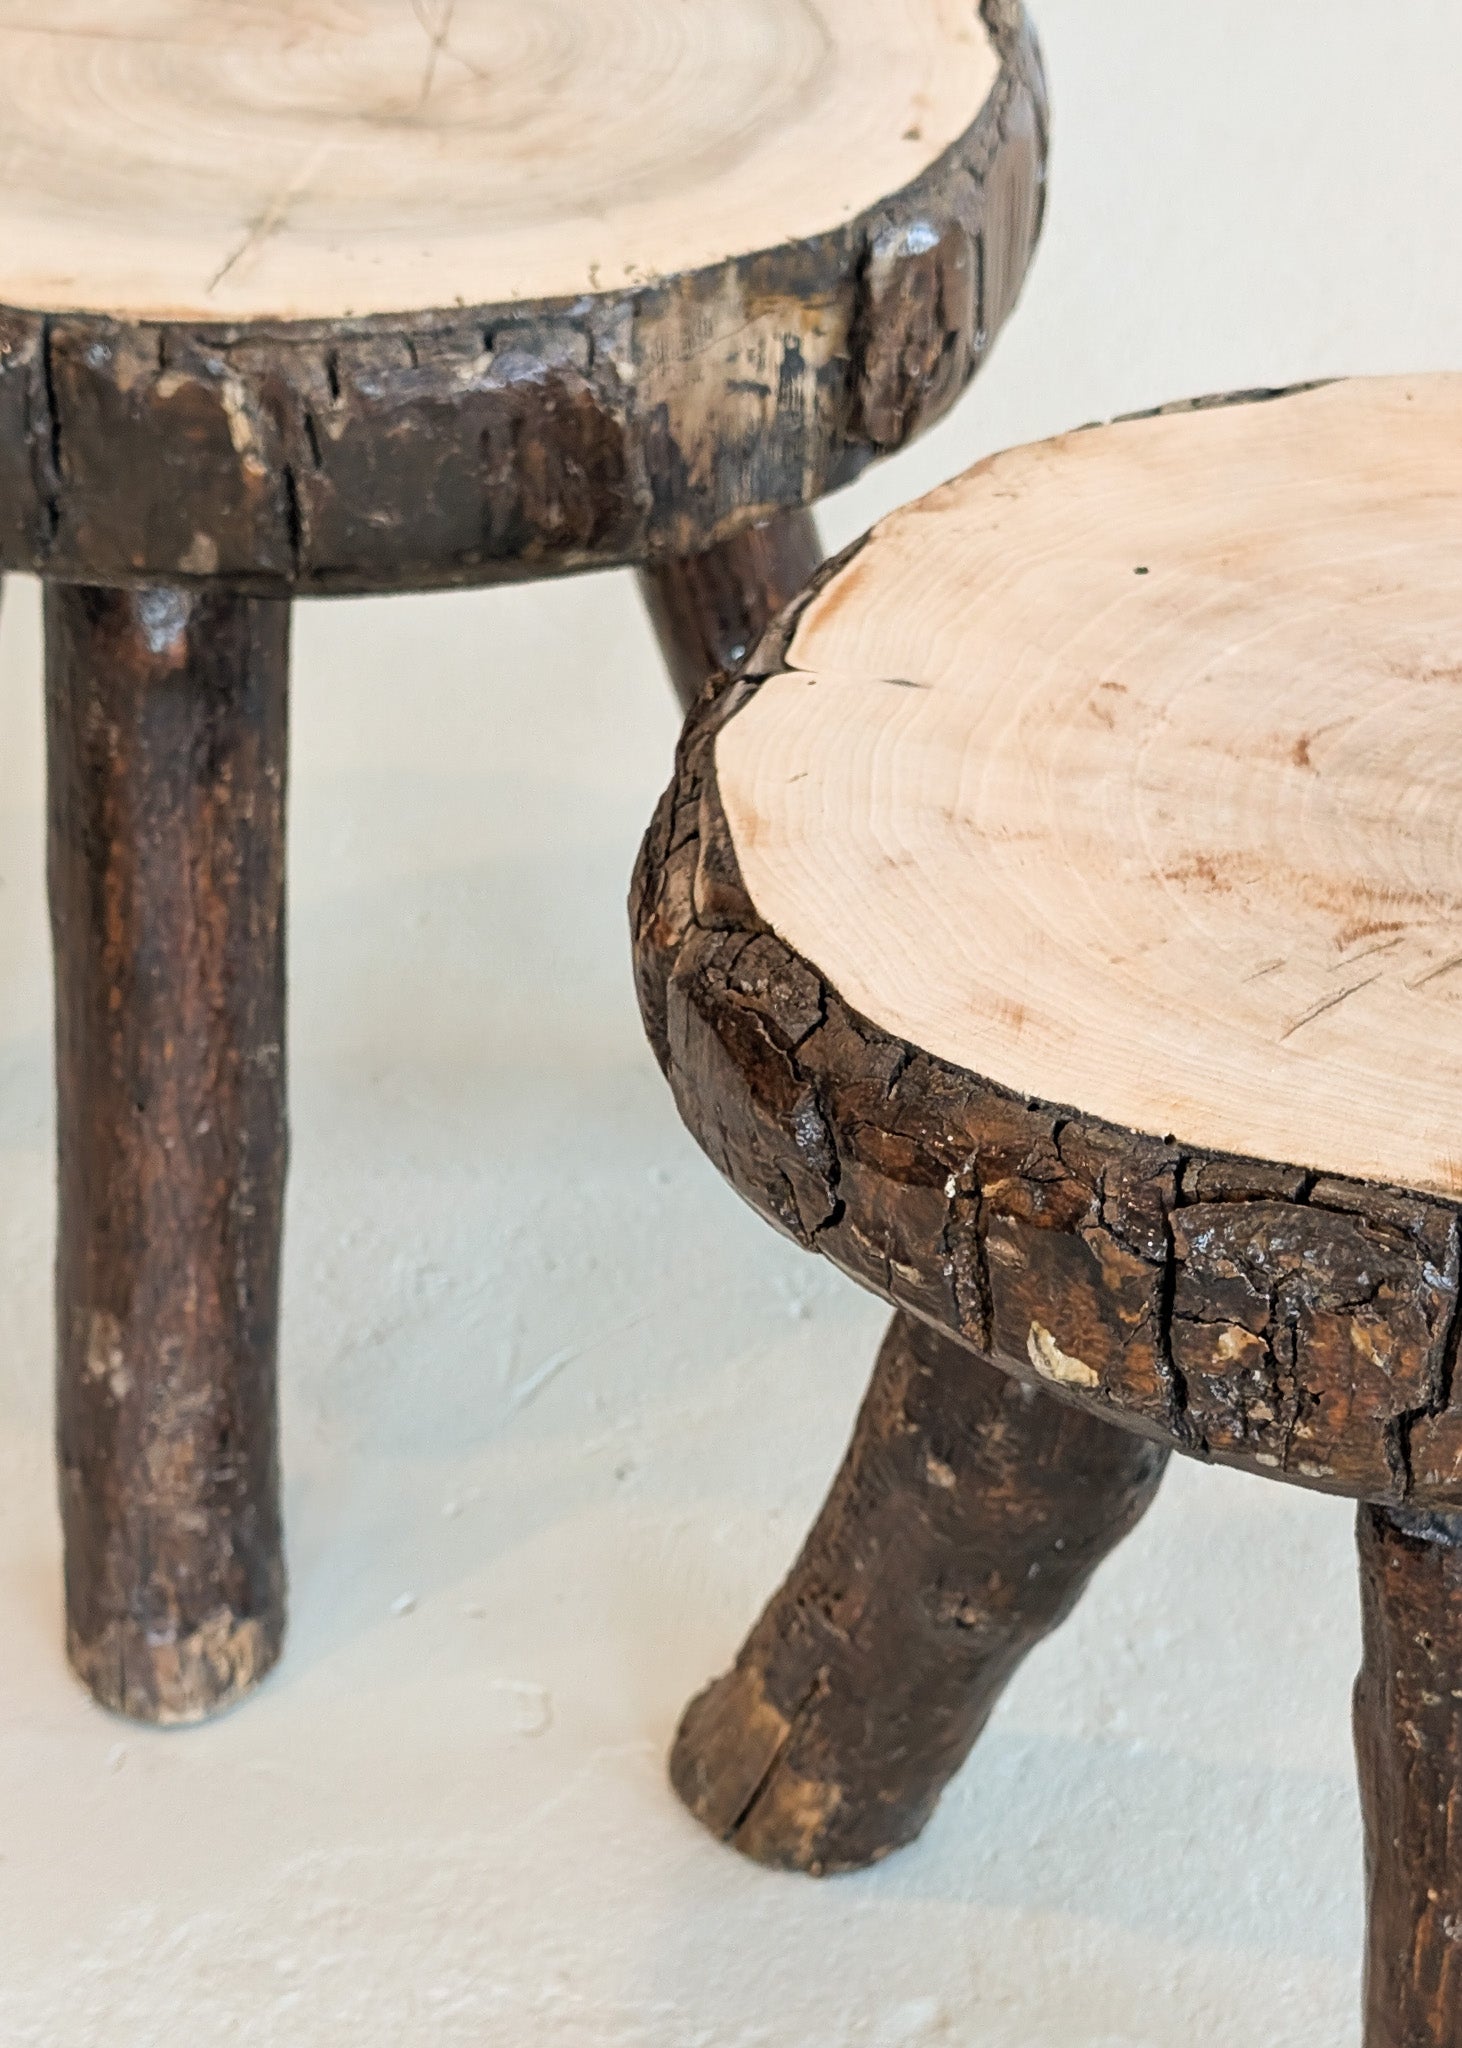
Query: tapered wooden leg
[(710, 610), (166, 719), (968, 1516), (1408, 1733)]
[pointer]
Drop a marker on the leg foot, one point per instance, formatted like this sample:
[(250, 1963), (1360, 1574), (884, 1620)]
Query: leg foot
[(166, 717), (1408, 1733), (710, 610), (969, 1514)]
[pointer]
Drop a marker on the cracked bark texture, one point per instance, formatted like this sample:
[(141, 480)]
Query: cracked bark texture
[(166, 721), (710, 610), (515, 441), (1241, 1311), (967, 1519), (1408, 1728)]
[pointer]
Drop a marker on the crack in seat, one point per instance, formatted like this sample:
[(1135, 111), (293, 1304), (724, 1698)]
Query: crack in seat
[(1058, 926), (379, 295)]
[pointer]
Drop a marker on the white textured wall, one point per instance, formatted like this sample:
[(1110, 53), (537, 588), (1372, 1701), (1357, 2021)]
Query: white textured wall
[(546, 1377)]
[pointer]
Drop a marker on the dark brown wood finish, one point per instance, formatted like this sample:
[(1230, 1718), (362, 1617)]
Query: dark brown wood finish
[(968, 1516), (710, 610), (473, 445), (1408, 1731), (167, 728)]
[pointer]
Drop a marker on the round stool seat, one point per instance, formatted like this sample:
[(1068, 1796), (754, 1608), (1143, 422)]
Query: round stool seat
[(382, 156), (331, 268), (1093, 831)]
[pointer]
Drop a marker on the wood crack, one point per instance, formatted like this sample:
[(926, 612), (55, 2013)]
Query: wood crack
[(435, 17), (1171, 1373), (774, 1764), (273, 215), (51, 466), (1328, 1003)]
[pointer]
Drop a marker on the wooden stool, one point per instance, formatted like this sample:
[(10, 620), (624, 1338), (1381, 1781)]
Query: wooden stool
[(1060, 927), (384, 297)]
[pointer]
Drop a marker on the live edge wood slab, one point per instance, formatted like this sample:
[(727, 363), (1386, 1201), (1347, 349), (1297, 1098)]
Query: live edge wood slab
[(384, 297), (1056, 924)]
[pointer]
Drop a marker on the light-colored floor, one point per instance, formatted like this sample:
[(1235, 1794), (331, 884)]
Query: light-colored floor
[(558, 1408)]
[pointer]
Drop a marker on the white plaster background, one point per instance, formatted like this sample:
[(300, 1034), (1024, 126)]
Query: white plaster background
[(544, 1374)]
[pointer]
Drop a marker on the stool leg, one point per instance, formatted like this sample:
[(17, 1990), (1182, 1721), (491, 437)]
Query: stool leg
[(969, 1514), (166, 720), (710, 610), (1408, 1734)]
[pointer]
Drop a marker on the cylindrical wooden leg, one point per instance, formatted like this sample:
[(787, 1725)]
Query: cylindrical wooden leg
[(968, 1516), (1408, 1735), (167, 726), (710, 610)]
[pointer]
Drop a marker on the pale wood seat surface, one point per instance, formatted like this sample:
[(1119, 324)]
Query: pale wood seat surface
[(1163, 817), (166, 160)]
